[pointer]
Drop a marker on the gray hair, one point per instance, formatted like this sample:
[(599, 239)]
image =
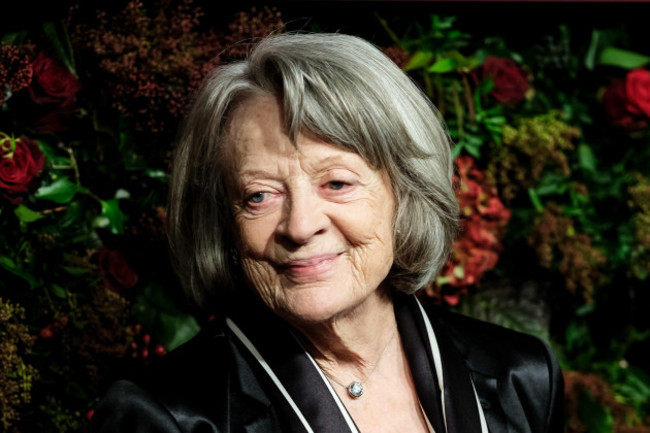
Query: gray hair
[(345, 91)]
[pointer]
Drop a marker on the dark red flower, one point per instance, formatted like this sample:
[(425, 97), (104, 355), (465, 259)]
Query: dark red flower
[(484, 218), (117, 273), (55, 120), (637, 90), (510, 83), (53, 83), (615, 102), (20, 162)]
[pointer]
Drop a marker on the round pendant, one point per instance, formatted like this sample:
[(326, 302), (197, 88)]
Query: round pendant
[(355, 389)]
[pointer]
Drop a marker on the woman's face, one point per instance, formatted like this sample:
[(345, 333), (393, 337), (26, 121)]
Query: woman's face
[(313, 222)]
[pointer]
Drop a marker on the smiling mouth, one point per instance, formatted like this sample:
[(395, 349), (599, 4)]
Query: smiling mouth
[(310, 267)]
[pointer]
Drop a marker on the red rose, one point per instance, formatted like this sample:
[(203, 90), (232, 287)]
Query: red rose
[(20, 162), (55, 120), (510, 83), (53, 82), (615, 102), (116, 271), (637, 90)]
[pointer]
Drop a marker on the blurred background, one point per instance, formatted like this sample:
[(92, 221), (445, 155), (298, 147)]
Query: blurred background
[(548, 104)]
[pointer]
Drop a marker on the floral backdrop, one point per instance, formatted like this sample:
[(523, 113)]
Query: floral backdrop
[(552, 175)]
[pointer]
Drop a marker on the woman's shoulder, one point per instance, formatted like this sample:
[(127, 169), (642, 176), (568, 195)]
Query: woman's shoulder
[(516, 375), (487, 346), (181, 383)]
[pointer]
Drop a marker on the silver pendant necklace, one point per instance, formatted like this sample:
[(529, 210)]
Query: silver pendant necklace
[(355, 388)]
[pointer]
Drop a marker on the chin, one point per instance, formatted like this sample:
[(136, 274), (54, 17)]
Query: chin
[(317, 308), (309, 313)]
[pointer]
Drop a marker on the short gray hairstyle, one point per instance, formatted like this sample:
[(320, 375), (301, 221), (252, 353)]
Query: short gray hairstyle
[(345, 91)]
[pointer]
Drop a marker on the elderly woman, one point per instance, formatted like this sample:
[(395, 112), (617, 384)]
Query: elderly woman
[(311, 197)]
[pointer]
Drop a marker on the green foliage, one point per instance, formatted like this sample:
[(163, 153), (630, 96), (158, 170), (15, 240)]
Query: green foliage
[(597, 418), (57, 35), (566, 170), (159, 311), (622, 58)]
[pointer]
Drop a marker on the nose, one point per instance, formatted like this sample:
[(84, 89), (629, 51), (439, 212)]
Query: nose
[(304, 218)]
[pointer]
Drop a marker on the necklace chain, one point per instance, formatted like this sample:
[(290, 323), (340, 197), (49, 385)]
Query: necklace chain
[(355, 388)]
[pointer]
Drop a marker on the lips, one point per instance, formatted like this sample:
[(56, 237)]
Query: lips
[(310, 267)]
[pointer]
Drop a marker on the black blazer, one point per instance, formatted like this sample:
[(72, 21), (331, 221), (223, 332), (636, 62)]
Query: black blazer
[(214, 384)]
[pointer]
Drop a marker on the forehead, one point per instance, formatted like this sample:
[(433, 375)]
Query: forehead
[(256, 136), (254, 119), (254, 124)]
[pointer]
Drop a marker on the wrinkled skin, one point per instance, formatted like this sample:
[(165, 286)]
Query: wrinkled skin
[(314, 223)]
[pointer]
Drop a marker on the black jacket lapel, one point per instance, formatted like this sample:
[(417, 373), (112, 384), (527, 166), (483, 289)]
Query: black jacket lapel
[(294, 369), (414, 339), (460, 404)]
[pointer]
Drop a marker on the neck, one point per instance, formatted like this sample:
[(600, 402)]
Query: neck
[(349, 345)]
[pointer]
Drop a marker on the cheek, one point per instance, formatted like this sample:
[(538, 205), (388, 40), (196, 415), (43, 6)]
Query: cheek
[(254, 235), (371, 234), (263, 278), (370, 223), (257, 272)]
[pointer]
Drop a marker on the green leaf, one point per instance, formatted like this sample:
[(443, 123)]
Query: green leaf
[(496, 120), (551, 184), (596, 417), (622, 58), (61, 191), (15, 38), (57, 35), (76, 271), (72, 214), (442, 66), (590, 58), (51, 155), (442, 23), (534, 199), (178, 329), (58, 291), (156, 174), (585, 310), (27, 215), (10, 266), (462, 62), (420, 59), (111, 211), (473, 149), (586, 157), (155, 309)]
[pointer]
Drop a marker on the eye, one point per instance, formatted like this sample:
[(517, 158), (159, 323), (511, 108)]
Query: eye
[(336, 184), (257, 197)]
